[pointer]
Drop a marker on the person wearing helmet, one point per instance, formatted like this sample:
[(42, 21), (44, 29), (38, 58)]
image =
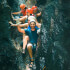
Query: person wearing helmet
[(35, 11), (29, 10), (27, 25), (23, 10), (34, 8), (33, 37), (23, 19), (38, 25)]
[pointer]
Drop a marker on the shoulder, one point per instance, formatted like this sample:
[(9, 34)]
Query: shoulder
[(27, 30), (29, 27), (36, 27)]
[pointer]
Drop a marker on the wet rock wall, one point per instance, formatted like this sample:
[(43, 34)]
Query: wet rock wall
[(8, 57), (54, 46)]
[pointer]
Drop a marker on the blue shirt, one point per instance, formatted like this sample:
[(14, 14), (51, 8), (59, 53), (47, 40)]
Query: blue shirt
[(35, 27), (33, 36)]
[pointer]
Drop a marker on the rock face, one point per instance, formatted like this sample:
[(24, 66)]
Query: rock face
[(55, 39), (7, 50)]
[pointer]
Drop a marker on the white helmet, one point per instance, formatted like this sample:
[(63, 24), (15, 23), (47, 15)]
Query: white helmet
[(31, 18), (32, 21)]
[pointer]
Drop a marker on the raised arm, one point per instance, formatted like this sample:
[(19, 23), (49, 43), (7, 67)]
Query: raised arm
[(38, 24), (38, 14), (20, 25), (13, 24), (23, 25), (20, 30), (16, 12)]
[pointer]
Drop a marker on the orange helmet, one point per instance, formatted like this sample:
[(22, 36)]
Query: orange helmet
[(34, 7), (29, 10), (22, 6)]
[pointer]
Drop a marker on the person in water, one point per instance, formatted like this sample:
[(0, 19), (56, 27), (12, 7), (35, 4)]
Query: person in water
[(23, 10), (27, 25), (33, 37)]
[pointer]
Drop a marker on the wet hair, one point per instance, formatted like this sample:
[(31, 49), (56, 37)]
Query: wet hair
[(33, 21), (25, 8)]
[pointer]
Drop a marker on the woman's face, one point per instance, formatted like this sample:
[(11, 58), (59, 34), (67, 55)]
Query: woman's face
[(32, 25)]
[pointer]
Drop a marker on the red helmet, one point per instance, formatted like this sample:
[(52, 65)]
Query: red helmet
[(29, 10), (34, 7), (22, 6)]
